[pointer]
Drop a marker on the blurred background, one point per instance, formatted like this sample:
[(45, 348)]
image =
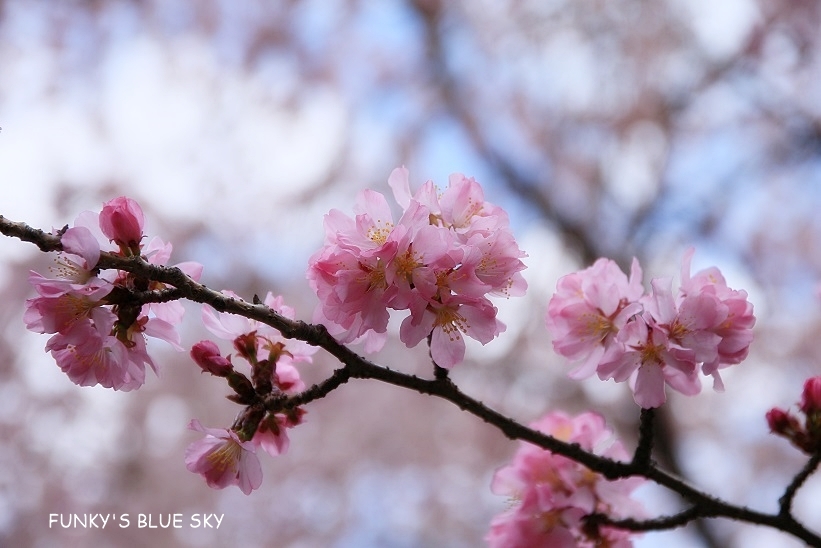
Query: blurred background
[(612, 128)]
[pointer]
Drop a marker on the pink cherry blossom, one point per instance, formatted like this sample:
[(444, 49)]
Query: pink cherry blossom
[(736, 329), (81, 251), (446, 321), (650, 362), (100, 336), (370, 228), (223, 459), (498, 263), (352, 290), (462, 207), (272, 436), (551, 494), (589, 309), (75, 293), (441, 259), (606, 323), (90, 356), (421, 251), (61, 305), (691, 322)]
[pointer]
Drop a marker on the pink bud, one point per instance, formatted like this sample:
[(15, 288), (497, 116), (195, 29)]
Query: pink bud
[(246, 346), (121, 220), (811, 397), (207, 355), (782, 423)]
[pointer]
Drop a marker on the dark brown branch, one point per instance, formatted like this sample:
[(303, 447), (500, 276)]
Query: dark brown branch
[(786, 500), (43, 240), (655, 524), (355, 366), (644, 449)]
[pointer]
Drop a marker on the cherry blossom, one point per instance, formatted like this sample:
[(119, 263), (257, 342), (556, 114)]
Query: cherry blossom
[(60, 306), (588, 310), (610, 327), (649, 362), (99, 330), (89, 356), (223, 459), (272, 434), (551, 495), (439, 261), (736, 329), (445, 321)]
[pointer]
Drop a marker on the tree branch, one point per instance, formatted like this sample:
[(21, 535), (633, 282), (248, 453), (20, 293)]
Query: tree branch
[(645, 446), (704, 505), (786, 500)]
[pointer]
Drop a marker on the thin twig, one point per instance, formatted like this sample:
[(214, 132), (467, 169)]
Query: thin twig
[(786, 500)]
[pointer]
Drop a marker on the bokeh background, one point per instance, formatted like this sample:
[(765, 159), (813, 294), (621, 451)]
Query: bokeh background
[(614, 128)]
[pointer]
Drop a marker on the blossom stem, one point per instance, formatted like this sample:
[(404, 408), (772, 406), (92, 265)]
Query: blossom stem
[(642, 456)]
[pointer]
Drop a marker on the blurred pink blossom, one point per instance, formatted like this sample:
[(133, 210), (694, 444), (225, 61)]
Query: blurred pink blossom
[(91, 356), (550, 494), (609, 326), (588, 310)]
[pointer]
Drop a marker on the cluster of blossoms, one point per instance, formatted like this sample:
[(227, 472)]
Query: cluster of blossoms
[(807, 435), (551, 495), (228, 456), (608, 324), (98, 328), (440, 261)]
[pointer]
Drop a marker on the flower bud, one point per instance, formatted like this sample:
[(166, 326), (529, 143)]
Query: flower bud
[(782, 423), (121, 220), (811, 397), (246, 346), (207, 355)]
